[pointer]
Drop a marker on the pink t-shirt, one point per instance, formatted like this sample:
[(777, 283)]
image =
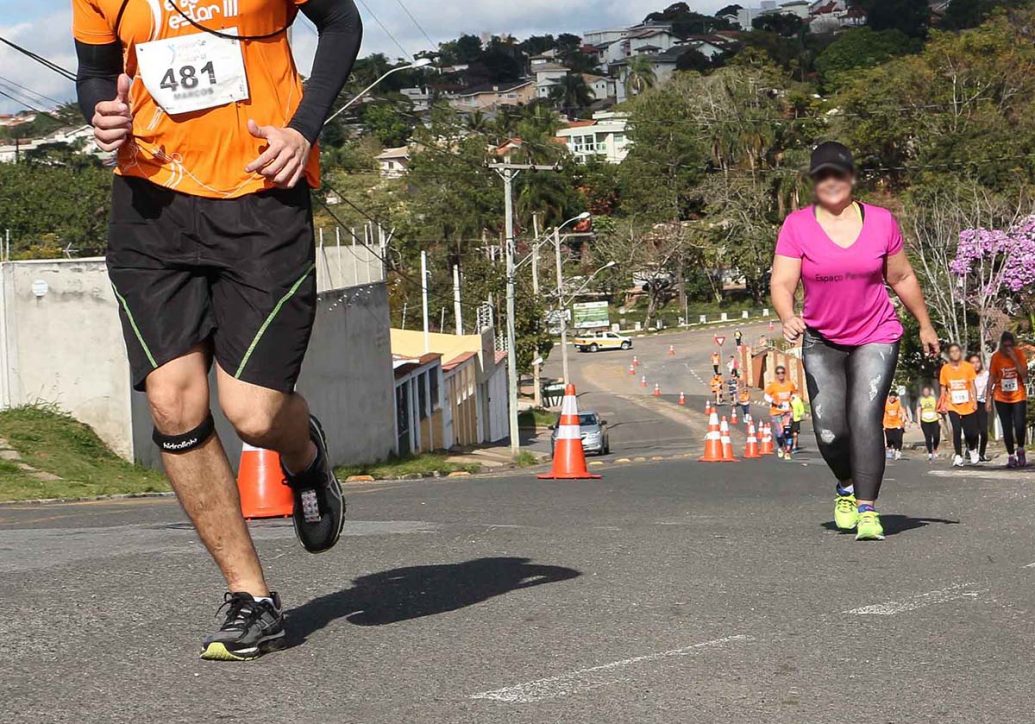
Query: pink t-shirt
[(846, 300)]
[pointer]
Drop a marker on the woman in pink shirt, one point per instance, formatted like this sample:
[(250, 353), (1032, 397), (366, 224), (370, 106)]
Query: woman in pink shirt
[(843, 252)]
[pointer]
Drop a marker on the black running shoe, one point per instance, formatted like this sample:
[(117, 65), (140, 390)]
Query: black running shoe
[(250, 629), (319, 503)]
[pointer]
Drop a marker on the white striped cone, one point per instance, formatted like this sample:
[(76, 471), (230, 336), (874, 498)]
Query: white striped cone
[(569, 459)]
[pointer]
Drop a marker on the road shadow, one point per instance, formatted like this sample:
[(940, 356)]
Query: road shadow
[(894, 524), (402, 594)]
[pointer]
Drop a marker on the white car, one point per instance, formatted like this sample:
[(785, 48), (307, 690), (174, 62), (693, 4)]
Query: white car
[(605, 340)]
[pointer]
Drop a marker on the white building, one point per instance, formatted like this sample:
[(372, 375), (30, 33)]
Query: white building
[(603, 137), (394, 162), (613, 46), (75, 136), (547, 75), (420, 98)]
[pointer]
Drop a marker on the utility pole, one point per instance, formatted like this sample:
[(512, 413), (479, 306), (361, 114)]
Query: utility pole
[(537, 392), (424, 298), (457, 312), (560, 304)]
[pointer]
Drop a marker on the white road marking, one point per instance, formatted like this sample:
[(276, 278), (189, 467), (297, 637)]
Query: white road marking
[(890, 608), (1030, 565), (594, 677)]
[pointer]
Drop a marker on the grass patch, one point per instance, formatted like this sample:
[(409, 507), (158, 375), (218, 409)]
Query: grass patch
[(54, 442), (525, 459), (537, 417), (415, 466)]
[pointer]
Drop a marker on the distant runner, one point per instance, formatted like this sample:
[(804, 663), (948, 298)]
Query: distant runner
[(843, 252), (797, 415), (1007, 385), (744, 400), (778, 394), (927, 414), (894, 425), (983, 408), (959, 399)]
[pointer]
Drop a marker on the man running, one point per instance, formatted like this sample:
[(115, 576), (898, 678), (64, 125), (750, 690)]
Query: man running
[(211, 255), (778, 395)]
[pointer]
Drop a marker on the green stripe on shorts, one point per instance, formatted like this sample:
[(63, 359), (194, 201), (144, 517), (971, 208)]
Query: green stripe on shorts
[(133, 324), (269, 319)]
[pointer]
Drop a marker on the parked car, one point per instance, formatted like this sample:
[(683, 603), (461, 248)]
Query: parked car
[(604, 340), (593, 431)]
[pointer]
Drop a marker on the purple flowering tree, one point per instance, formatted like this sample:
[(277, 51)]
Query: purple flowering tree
[(995, 268)]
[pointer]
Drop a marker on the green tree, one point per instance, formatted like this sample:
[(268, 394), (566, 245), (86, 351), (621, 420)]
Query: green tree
[(641, 75), (571, 94), (62, 204), (861, 48), (384, 121), (909, 16)]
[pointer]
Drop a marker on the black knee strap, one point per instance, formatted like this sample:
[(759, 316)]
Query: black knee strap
[(176, 444)]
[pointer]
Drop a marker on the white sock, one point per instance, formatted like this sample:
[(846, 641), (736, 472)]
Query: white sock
[(848, 489), (264, 599)]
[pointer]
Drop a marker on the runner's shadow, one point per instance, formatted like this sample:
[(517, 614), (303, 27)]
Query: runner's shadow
[(402, 594), (894, 524)]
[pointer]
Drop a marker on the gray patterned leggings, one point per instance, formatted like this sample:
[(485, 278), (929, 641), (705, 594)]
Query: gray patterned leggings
[(847, 390)]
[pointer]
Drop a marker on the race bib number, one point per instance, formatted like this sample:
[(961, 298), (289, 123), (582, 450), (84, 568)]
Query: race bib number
[(1008, 384), (960, 397), (193, 72)]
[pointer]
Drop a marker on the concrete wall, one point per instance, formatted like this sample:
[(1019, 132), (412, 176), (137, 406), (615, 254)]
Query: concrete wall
[(65, 345), (340, 266), (61, 343)]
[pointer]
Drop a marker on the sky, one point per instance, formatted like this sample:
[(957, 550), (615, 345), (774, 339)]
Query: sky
[(43, 26)]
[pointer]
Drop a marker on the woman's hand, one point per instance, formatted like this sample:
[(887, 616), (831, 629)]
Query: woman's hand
[(988, 404), (929, 341), (793, 328)]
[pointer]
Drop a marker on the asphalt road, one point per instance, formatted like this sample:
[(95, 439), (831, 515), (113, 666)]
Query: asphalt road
[(668, 591)]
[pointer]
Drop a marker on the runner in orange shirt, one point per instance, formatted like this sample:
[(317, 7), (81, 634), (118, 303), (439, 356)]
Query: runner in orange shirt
[(1008, 375), (959, 400), (211, 253), (778, 395), (894, 424)]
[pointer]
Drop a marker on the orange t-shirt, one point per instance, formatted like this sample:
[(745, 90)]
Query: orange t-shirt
[(745, 396), (1005, 378), (780, 393), (957, 387), (717, 383), (204, 152), (893, 415)]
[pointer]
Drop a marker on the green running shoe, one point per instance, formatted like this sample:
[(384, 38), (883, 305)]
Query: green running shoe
[(845, 514), (869, 527)]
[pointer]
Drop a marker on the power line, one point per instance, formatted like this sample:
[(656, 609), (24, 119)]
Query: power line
[(10, 82), (419, 26), (67, 74), (406, 53), (29, 106)]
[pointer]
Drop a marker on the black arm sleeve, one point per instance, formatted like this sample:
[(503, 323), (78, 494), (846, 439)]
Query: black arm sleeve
[(341, 31), (95, 81)]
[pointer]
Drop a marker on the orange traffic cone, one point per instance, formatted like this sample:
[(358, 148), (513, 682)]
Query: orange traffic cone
[(632, 369), (671, 350), (727, 443), (751, 448), (682, 399), (767, 439), (733, 416), (260, 482), (657, 390), (636, 362), (712, 441), (770, 325), (569, 459)]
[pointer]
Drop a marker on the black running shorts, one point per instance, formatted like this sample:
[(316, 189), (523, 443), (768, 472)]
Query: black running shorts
[(238, 274)]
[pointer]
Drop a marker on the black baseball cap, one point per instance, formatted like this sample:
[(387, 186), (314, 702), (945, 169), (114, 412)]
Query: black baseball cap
[(831, 155)]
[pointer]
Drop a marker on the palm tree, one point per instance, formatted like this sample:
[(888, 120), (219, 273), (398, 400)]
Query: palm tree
[(571, 93), (641, 75)]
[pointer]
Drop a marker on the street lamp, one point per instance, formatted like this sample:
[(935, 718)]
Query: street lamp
[(419, 63), (560, 291)]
